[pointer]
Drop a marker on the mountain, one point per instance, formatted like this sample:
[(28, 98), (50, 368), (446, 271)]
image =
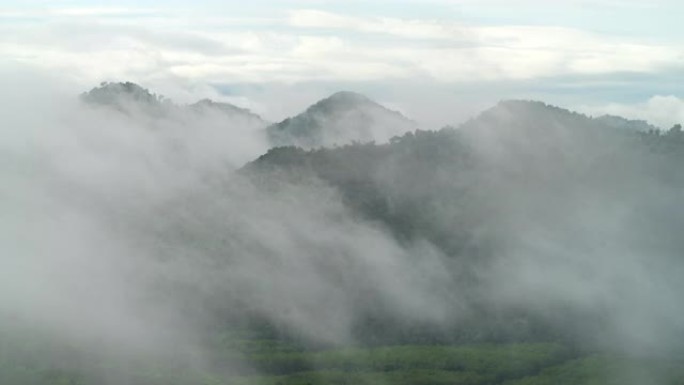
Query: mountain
[(549, 236), (125, 97), (517, 117), (233, 113), (525, 115), (530, 135), (131, 98), (341, 118), (467, 189), (207, 132), (530, 189), (626, 124)]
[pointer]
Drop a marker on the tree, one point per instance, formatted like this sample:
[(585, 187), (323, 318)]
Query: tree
[(676, 130)]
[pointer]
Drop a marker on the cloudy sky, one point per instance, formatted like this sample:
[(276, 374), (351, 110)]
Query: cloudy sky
[(438, 61)]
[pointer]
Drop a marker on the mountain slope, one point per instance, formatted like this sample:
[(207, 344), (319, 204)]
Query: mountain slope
[(235, 114), (127, 97), (535, 206), (626, 124), (342, 118), (209, 133), (131, 98)]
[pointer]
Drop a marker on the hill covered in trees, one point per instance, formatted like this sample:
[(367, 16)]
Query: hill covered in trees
[(131, 98), (528, 245), (526, 200), (339, 119)]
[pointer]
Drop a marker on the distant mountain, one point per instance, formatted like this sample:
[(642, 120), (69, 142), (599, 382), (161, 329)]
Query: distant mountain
[(515, 155), (518, 133), (339, 119), (535, 117), (227, 108), (524, 187), (626, 124), (126, 97), (130, 98), (230, 111), (530, 116)]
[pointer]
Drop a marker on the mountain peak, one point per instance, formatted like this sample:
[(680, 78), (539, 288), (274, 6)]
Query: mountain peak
[(540, 111), (117, 92), (519, 105), (132, 99), (624, 123), (515, 117), (342, 101), (341, 118), (348, 96)]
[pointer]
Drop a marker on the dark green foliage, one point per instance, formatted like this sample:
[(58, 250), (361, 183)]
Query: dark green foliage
[(254, 361), (477, 364)]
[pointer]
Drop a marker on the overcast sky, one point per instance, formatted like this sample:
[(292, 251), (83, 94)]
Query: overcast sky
[(438, 61)]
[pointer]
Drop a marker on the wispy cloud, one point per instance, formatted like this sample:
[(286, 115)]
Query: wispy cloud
[(663, 111), (316, 45), (101, 11), (322, 41)]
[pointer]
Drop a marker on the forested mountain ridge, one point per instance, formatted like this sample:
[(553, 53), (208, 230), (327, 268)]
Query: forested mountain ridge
[(346, 117), (530, 245), (628, 124), (342, 118), (227, 108), (130, 97), (525, 184), (529, 140), (115, 94), (339, 119)]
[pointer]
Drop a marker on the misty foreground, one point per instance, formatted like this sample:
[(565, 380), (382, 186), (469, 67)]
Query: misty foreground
[(530, 245)]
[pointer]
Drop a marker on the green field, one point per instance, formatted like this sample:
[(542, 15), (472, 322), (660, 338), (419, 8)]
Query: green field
[(261, 358), (267, 362), (510, 364)]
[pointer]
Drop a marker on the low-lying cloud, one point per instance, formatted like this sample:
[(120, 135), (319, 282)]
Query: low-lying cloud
[(663, 111)]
